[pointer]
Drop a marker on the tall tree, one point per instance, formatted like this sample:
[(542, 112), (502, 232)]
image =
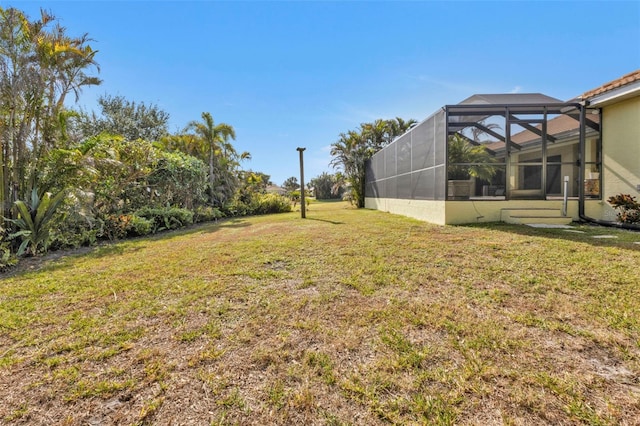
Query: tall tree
[(129, 119), (223, 159), (323, 186), (291, 184), (349, 153), (39, 66), (354, 147)]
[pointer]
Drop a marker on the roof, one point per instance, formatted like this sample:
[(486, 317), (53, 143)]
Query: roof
[(480, 106), (275, 188), (509, 99), (614, 84), (558, 126)]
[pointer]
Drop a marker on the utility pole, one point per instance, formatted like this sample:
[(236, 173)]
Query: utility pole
[(303, 206)]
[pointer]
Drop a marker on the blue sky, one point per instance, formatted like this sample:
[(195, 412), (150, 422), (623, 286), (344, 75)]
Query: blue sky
[(289, 74)]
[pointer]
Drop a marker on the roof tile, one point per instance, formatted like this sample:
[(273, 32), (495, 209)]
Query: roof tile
[(622, 81)]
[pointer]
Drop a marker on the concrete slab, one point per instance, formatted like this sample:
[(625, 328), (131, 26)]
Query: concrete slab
[(548, 225), (575, 231), (605, 236)]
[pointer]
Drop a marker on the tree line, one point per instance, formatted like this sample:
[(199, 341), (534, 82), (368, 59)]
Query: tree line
[(70, 177)]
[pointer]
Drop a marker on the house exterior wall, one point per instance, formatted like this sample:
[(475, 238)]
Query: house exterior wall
[(461, 212), (620, 153), (432, 211)]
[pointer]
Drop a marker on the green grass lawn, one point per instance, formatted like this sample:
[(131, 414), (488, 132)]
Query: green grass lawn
[(348, 317)]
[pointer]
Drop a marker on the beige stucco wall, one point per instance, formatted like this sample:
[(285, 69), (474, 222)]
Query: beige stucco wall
[(427, 210), (620, 153), (459, 212)]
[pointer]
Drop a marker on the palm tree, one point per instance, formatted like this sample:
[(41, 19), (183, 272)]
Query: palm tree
[(466, 160), (349, 153), (398, 126), (355, 147), (481, 129), (39, 66), (216, 139)]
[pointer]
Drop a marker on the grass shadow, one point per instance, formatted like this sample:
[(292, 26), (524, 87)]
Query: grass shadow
[(200, 228), (584, 233), (333, 222), (59, 259)]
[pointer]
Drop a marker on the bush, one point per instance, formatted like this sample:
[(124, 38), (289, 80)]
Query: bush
[(139, 226), (238, 207), (258, 204), (166, 218), (7, 259), (206, 214), (627, 206), (78, 237), (272, 203), (116, 227), (76, 226), (178, 179)]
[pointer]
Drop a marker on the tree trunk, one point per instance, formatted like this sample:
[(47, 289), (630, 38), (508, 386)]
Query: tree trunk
[(3, 192), (211, 190)]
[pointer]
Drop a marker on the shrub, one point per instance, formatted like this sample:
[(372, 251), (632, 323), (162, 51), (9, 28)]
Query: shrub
[(257, 203), (7, 259), (76, 226), (166, 218), (206, 214), (113, 226), (627, 206), (116, 227), (139, 226), (74, 238), (238, 207), (272, 203), (178, 179)]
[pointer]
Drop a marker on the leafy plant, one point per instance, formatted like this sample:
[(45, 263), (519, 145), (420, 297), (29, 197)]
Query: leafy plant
[(627, 206), (7, 259), (295, 196), (178, 179), (272, 203), (79, 226), (166, 218), (206, 214), (466, 160), (256, 204), (118, 226), (34, 221), (139, 226)]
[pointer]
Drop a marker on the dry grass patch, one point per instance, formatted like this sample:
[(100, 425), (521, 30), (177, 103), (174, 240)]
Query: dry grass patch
[(348, 317)]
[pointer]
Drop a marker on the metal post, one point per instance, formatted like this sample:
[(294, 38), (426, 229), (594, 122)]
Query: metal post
[(565, 200), (581, 172), (303, 206)]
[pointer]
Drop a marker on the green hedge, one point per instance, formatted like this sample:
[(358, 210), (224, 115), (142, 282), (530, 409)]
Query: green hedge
[(258, 204), (166, 218)]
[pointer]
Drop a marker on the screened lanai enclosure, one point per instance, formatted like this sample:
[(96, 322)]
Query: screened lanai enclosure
[(493, 147)]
